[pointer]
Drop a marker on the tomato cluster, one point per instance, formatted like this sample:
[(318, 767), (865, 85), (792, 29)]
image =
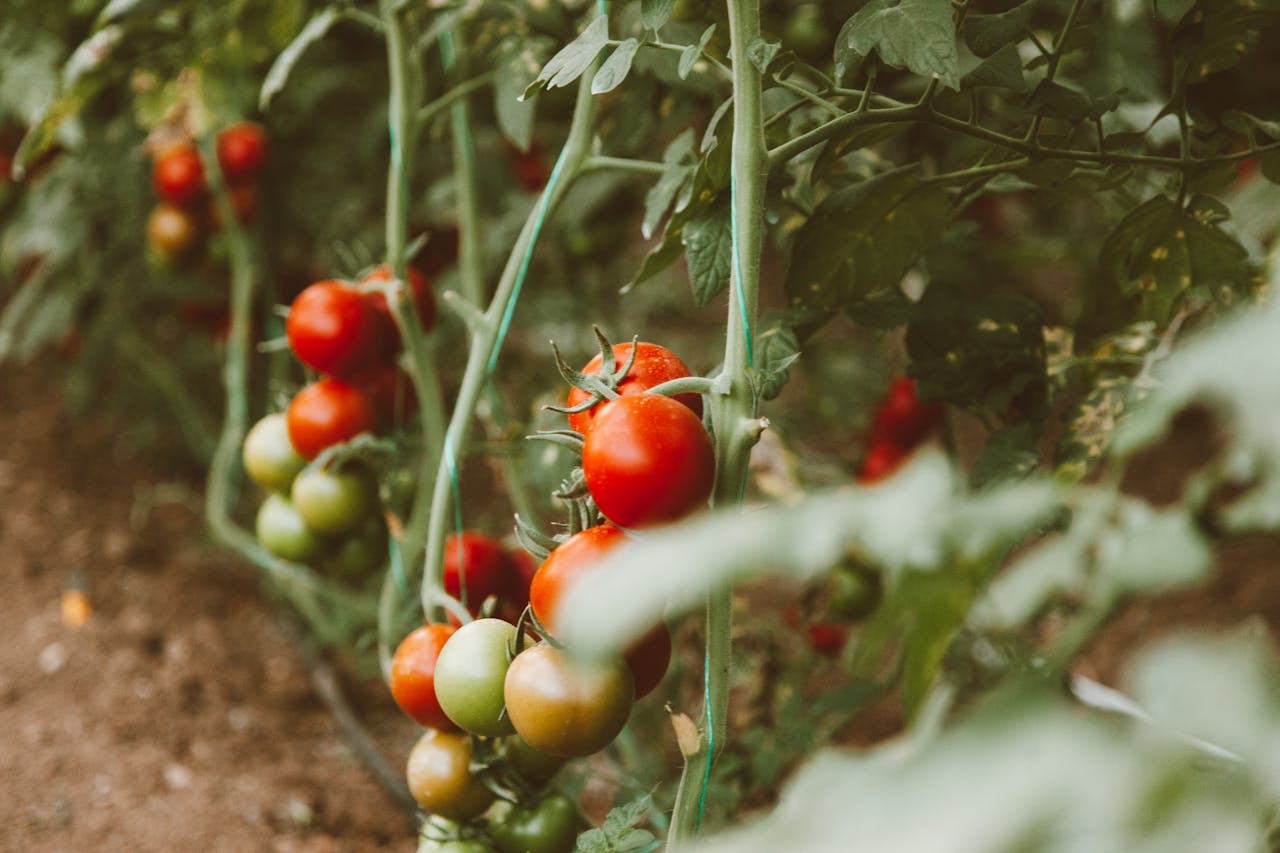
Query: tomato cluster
[(311, 514), (901, 423), (185, 212), (849, 593), (345, 331)]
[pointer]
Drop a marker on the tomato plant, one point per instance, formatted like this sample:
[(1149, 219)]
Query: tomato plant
[(440, 777), (326, 413), (562, 706), (647, 460), (413, 670)]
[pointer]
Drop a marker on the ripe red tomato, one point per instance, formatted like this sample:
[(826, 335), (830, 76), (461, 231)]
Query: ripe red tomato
[(178, 174), (563, 706), (413, 675), (649, 656), (647, 460), (424, 300), (333, 328), (827, 639), (531, 167), (514, 596), (882, 458), (654, 365), (391, 391), (242, 150), (326, 413), (172, 232), (476, 561), (901, 417)]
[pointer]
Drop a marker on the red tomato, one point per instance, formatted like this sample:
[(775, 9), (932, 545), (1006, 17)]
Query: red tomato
[(326, 413), (532, 169), (391, 391), (901, 417), (6, 168), (521, 569), (244, 204), (178, 174), (333, 328), (882, 458), (477, 561), (827, 639), (647, 460), (242, 150), (654, 365), (413, 675), (424, 300), (649, 656)]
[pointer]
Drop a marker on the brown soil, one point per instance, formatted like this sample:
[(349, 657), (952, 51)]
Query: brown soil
[(179, 715)]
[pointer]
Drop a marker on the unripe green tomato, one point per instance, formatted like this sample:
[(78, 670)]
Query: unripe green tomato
[(529, 763), (269, 457), (470, 673), (689, 10), (552, 826), (282, 531), (361, 553), (564, 706), (335, 501), (440, 778)]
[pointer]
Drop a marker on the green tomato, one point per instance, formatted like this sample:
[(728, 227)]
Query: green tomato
[(470, 673), (552, 826), (456, 845), (361, 553), (282, 531), (852, 592), (335, 501), (269, 457), (529, 763)]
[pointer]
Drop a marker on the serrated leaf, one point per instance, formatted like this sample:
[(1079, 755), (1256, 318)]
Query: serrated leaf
[(987, 34), (572, 61), (654, 14), (316, 28), (659, 258), (1152, 550), (777, 349), (861, 240), (515, 116), (981, 349), (1001, 70), (616, 68), (1053, 100), (1009, 455), (918, 35), (661, 196), (708, 244), (1159, 253), (761, 53), (690, 55)]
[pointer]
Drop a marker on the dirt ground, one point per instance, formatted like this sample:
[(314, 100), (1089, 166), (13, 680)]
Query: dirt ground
[(179, 715)]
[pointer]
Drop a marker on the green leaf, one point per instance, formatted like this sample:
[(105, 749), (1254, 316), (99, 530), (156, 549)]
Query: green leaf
[(573, 59), (981, 349), (761, 53), (777, 349), (1001, 70), (708, 244), (988, 34), (1214, 36), (515, 116), (1053, 100), (663, 193), (918, 35), (689, 56), (655, 13), (1009, 455), (616, 68), (1159, 253), (659, 258), (1152, 551), (861, 240), (278, 75)]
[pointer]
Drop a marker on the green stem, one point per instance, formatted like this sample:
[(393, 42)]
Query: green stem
[(449, 99), (485, 331), (1055, 59), (623, 164), (732, 410)]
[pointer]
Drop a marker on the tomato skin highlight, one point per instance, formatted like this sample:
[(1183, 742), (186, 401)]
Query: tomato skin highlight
[(242, 150), (333, 328), (654, 365), (178, 174), (563, 706), (440, 778), (413, 676), (647, 460), (470, 672), (326, 413)]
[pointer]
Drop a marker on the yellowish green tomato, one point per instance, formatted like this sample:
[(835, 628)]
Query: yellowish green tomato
[(335, 501), (269, 457), (282, 531)]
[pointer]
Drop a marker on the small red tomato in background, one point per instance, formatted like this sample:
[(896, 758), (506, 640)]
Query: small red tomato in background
[(333, 328), (424, 299), (521, 569), (827, 639), (901, 417), (882, 458), (413, 675), (391, 391), (244, 204), (654, 365), (178, 174), (326, 413), (531, 167), (242, 150), (647, 460), (477, 561)]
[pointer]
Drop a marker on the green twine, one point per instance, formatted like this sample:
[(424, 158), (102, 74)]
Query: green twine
[(737, 268), (711, 739)]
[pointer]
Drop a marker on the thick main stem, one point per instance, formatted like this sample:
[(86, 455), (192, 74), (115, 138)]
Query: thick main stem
[(733, 413)]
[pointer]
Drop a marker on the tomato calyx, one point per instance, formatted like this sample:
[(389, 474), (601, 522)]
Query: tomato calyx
[(599, 386)]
